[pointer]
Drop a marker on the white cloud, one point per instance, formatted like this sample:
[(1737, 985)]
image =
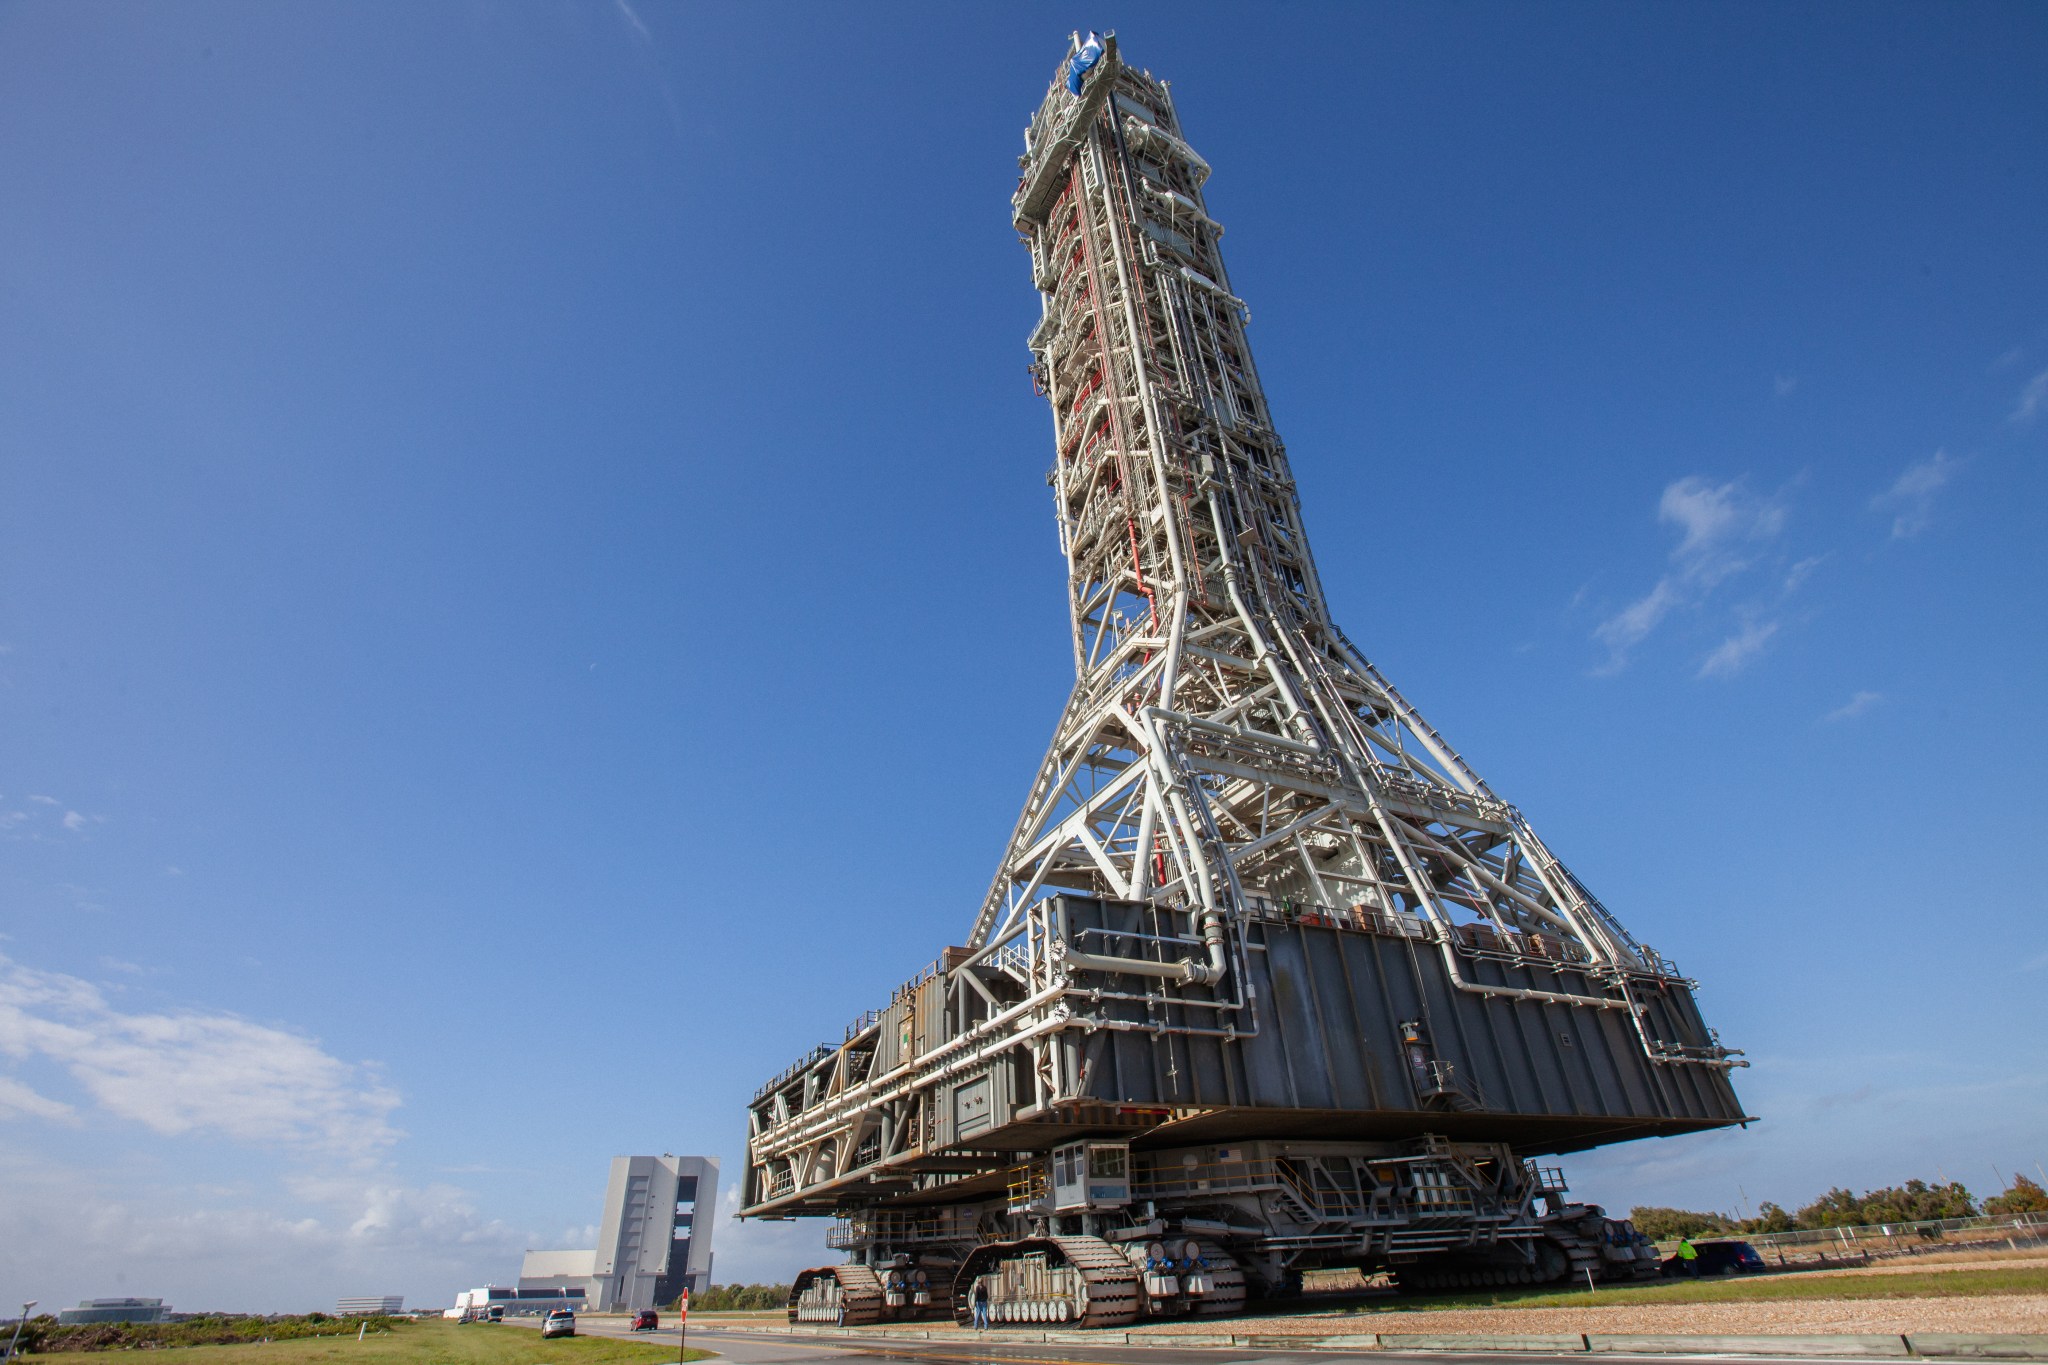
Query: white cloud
[(1628, 627), (202, 1247), (44, 800), (73, 821), (1784, 384), (18, 1101), (337, 1216), (1799, 572), (1854, 707), (196, 1072), (763, 1252), (632, 18), (1912, 494), (1720, 526), (2033, 398), (1730, 656)]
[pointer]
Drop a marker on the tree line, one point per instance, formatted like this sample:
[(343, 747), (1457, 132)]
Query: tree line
[(1913, 1202), (732, 1298)]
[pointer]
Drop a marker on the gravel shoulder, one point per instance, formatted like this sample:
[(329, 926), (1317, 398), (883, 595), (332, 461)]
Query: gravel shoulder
[(1991, 1313)]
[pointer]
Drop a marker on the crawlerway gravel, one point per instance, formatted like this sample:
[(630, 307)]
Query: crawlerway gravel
[(1987, 1313)]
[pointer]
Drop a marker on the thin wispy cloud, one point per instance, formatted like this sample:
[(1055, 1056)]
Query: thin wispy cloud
[(1784, 384), (18, 1101), (633, 20), (194, 1071), (1911, 497), (2033, 398), (650, 59), (1733, 654), (1854, 707), (1721, 528), (44, 817)]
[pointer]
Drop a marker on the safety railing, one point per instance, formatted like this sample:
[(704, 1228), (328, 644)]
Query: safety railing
[(1025, 1186), (793, 1070), (1182, 1182)]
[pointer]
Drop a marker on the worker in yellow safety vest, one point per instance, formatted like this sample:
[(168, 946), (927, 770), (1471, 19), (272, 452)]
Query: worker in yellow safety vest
[(1688, 1257)]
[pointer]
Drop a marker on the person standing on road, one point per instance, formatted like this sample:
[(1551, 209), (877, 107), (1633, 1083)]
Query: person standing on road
[(980, 1302), (1688, 1257)]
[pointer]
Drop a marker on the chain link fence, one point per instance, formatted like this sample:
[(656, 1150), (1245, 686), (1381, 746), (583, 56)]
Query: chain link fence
[(1861, 1245)]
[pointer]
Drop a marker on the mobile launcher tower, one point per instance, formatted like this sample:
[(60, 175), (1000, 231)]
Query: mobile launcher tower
[(1269, 978)]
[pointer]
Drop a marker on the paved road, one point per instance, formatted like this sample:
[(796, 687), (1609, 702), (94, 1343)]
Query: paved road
[(746, 1348)]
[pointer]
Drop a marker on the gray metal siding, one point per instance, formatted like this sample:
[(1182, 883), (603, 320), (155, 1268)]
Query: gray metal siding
[(1330, 1003)]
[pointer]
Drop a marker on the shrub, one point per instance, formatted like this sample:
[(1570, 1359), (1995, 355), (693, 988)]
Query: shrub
[(728, 1298), (2022, 1196), (211, 1329)]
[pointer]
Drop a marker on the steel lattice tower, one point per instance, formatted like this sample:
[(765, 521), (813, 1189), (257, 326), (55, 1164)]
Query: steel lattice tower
[(1224, 739), (1266, 967)]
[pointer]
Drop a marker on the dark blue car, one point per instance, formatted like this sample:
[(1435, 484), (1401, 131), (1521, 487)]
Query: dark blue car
[(1717, 1258)]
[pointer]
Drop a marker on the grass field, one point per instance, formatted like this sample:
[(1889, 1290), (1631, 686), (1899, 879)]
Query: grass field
[(1932, 1284), (416, 1343), (740, 1315)]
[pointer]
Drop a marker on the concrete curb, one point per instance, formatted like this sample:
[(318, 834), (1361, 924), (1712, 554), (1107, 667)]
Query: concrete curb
[(1978, 1346), (1925, 1346), (1844, 1344), (1435, 1341)]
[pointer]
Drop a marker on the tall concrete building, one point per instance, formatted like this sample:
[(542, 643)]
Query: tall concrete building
[(649, 1243), (649, 1247)]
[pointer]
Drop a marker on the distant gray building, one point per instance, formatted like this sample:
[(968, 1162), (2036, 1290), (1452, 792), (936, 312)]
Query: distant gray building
[(650, 1244), (385, 1303), (113, 1310)]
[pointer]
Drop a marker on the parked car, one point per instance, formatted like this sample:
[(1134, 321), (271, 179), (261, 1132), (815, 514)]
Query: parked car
[(1717, 1258), (560, 1323), (495, 1313), (646, 1320)]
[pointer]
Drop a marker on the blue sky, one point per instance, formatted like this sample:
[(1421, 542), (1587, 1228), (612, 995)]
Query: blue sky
[(528, 596)]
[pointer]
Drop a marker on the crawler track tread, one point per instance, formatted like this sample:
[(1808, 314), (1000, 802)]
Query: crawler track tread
[(860, 1292), (1226, 1283), (1110, 1280)]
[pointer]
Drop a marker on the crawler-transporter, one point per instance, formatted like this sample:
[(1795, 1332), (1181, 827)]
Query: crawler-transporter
[(1269, 979)]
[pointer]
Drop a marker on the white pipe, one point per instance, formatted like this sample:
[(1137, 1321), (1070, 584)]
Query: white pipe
[(1419, 884), (1232, 731), (1166, 141)]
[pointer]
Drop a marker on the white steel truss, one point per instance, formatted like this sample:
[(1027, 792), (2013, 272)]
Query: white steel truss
[(1224, 744)]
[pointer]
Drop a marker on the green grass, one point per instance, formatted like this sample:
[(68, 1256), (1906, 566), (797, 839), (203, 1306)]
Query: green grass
[(739, 1314), (1930, 1284), (416, 1343)]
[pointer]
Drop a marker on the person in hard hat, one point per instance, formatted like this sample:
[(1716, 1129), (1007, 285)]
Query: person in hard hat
[(1688, 1257)]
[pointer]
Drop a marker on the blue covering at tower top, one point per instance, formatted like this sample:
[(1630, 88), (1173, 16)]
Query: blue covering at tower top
[(1090, 53)]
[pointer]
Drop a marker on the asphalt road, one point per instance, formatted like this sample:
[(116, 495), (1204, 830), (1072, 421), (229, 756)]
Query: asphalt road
[(746, 1348)]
